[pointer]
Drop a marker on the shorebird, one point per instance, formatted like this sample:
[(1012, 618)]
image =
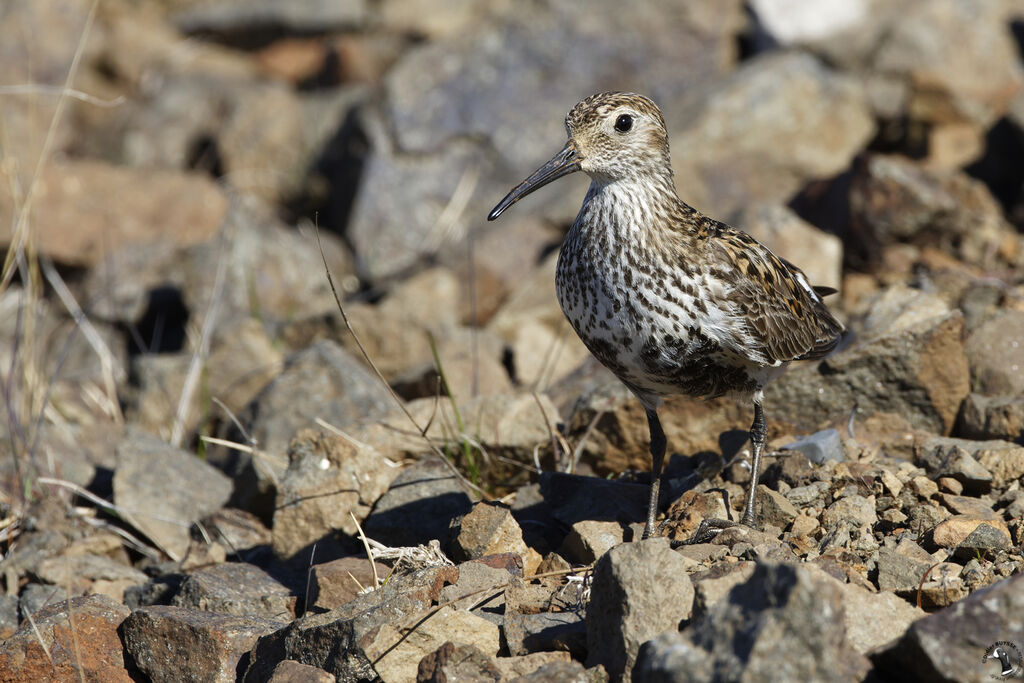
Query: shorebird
[(668, 299)]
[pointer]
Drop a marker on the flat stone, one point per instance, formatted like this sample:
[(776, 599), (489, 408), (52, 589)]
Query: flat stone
[(545, 631), (236, 588), (163, 490), (170, 643), (335, 583), (68, 641), (774, 508), (590, 539), (639, 590)]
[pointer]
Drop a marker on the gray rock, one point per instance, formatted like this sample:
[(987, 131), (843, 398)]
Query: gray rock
[(820, 446), (996, 354), (875, 619), (90, 573), (590, 539), (236, 588), (175, 643), (563, 672), (8, 615), (418, 507), (230, 18), (163, 490), (991, 463), (488, 529), (992, 417), (639, 590), (900, 573), (329, 481), (545, 631), (36, 596), (856, 511), (715, 584), (346, 640), (46, 649), (949, 645), (457, 111), (773, 508), (785, 623), (513, 667), (919, 374)]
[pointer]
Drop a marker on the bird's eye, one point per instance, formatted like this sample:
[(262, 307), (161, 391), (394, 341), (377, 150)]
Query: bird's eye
[(623, 123)]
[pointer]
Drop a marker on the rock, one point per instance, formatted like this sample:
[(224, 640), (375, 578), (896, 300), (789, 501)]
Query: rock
[(71, 226), (575, 498), (236, 588), (564, 672), (8, 616), (346, 640), (773, 508), (171, 643), (162, 490), (854, 510), (484, 588), (948, 645), (943, 586), (329, 481), (819, 254), (789, 620), (419, 506), (590, 539), (230, 19), (893, 199), (996, 355), (984, 541), (487, 529), (873, 620), (90, 574), (289, 671), (820, 446), (639, 590), (919, 373), (335, 583), (513, 667), (321, 381), (68, 641), (435, 130), (785, 100), (958, 528), (454, 663), (992, 417), (713, 585), (900, 573), (545, 631), (396, 651), (924, 487), (979, 465), (237, 529)]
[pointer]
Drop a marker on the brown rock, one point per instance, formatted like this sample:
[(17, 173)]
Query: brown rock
[(173, 643), (523, 665), (490, 529), (90, 573), (953, 531), (588, 540), (73, 221), (334, 583), (992, 417), (236, 588), (81, 642), (290, 671), (452, 662)]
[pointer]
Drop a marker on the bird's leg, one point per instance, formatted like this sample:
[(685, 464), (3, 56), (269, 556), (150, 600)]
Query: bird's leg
[(757, 439), (658, 444)]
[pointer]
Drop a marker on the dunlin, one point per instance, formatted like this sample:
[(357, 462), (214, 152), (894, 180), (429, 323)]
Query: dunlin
[(668, 299)]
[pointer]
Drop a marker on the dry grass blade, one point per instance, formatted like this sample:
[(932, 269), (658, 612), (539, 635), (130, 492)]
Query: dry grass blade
[(366, 545), (57, 91), (398, 401), (39, 636)]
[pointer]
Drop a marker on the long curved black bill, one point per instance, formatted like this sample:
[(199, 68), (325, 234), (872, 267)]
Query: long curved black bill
[(565, 162)]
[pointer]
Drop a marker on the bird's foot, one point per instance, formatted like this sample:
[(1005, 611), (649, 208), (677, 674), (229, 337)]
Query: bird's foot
[(706, 532)]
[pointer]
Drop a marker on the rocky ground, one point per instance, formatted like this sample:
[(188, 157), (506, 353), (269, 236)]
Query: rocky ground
[(197, 458)]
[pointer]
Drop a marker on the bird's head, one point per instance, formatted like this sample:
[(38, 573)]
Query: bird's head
[(612, 136)]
